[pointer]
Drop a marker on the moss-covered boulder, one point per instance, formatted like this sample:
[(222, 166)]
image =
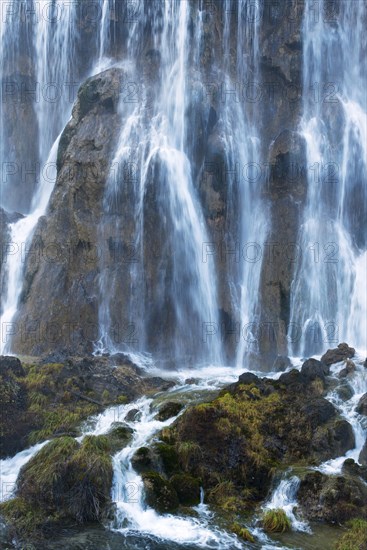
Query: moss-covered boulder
[(168, 410), (333, 499), (187, 489), (144, 460), (159, 493), (235, 442), (65, 480), (119, 436)]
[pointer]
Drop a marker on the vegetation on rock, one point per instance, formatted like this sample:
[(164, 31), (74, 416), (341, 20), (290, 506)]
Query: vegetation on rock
[(65, 480), (276, 521), (356, 536)]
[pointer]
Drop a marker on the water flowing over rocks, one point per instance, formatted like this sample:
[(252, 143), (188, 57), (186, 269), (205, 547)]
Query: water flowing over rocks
[(70, 271), (40, 400), (205, 213)]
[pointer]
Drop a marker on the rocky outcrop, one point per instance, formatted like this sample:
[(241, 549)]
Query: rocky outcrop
[(333, 499), (41, 401), (59, 305), (255, 426), (362, 405), (65, 481), (286, 194), (341, 353)]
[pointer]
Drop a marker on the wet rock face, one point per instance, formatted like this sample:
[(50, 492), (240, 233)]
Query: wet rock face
[(59, 301), (362, 405), (286, 194), (341, 353), (58, 305), (334, 499)]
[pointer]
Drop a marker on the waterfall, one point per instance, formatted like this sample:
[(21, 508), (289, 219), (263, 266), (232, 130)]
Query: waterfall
[(49, 36), (21, 233), (154, 174), (328, 296), (285, 497), (170, 299)]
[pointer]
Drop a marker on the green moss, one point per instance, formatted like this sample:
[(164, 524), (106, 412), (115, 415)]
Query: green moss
[(187, 489), (121, 400), (26, 520), (276, 521), (159, 493), (169, 458), (119, 436), (69, 479), (242, 532), (356, 536), (188, 450)]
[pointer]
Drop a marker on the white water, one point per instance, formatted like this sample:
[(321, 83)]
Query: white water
[(358, 381), (285, 497), (21, 233), (334, 124), (10, 468), (150, 146)]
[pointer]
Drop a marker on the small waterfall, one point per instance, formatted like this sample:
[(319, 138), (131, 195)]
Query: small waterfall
[(332, 237), (347, 408), (21, 233), (285, 497)]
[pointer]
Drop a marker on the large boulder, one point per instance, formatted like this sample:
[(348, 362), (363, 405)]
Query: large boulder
[(341, 353), (312, 369), (252, 426), (64, 481), (168, 410), (362, 405), (159, 493), (334, 499)]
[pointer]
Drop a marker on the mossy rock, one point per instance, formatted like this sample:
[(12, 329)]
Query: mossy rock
[(356, 536), (69, 480), (169, 458), (187, 489), (119, 436), (276, 521), (159, 493), (168, 410), (26, 520), (143, 460)]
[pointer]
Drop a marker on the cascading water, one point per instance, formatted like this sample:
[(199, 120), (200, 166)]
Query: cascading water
[(49, 31), (184, 298), (328, 298), (155, 161), (285, 498), (243, 161), (21, 233)]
